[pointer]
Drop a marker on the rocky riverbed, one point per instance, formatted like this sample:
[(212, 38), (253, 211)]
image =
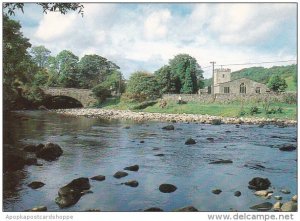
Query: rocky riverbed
[(58, 163), (162, 117)]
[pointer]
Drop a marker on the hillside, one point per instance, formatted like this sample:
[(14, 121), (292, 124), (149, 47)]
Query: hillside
[(262, 75)]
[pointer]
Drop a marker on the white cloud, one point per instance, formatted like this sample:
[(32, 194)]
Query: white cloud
[(156, 24), (55, 26)]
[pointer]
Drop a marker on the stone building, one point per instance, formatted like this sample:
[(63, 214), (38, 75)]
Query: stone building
[(222, 84)]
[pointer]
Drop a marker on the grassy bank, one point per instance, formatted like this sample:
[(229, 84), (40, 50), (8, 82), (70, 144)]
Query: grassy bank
[(235, 109)]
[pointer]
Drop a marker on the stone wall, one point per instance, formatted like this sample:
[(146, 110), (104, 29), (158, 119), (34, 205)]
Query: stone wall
[(228, 98)]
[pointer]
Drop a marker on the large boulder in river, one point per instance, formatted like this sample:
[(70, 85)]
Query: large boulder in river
[(13, 162), (258, 183), (50, 152), (167, 188), (71, 193), (33, 148)]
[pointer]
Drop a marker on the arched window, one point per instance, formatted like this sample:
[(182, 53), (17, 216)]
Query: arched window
[(243, 88)]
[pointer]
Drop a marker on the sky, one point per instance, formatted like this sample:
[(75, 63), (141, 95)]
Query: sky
[(145, 36)]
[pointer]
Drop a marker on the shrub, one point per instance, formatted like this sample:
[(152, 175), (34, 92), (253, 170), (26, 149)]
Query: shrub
[(100, 92), (254, 110), (142, 86), (143, 105)]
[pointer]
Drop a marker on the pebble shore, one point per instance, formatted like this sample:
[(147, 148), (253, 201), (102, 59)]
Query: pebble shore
[(163, 117)]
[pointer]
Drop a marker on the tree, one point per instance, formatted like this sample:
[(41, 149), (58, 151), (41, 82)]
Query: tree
[(67, 68), (60, 7), (17, 64), (166, 80), (277, 84), (94, 70), (188, 71), (40, 55), (142, 86)]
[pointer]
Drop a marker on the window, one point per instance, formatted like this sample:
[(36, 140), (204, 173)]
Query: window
[(243, 88), (257, 90), (209, 89), (226, 90)]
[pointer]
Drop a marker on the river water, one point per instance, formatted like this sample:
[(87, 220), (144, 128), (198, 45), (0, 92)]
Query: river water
[(96, 147)]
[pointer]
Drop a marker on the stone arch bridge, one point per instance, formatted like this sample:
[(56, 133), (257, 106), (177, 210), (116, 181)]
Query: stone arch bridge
[(84, 96)]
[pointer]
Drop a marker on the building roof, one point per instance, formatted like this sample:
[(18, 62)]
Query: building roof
[(241, 79)]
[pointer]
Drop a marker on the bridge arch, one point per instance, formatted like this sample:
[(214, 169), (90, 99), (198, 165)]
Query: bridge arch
[(84, 96)]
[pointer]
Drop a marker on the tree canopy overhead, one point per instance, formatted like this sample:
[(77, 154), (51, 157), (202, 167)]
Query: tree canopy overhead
[(63, 8)]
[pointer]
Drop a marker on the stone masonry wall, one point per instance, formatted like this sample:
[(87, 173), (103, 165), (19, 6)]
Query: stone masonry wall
[(228, 98)]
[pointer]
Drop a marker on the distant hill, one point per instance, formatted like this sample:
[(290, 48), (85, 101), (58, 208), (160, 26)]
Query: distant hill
[(262, 75)]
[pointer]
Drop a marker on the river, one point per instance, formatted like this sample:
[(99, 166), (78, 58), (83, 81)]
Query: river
[(97, 147)]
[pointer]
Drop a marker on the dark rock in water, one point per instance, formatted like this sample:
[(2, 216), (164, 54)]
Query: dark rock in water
[(274, 136), (31, 161), (227, 131), (169, 127), (127, 127), (287, 147), (120, 174), (92, 210), (190, 141), (159, 155), (216, 191), (132, 183), (237, 193), (36, 184), (261, 125), (30, 148), (210, 139), (173, 121), (98, 178), (216, 121), (258, 183), (13, 162), (142, 141), (221, 162), (156, 148), (50, 152), (72, 192), (186, 209), (237, 125), (33, 148), (37, 209), (262, 207), (132, 168), (167, 188), (153, 209)]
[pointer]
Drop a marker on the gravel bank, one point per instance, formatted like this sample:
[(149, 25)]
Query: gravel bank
[(143, 116)]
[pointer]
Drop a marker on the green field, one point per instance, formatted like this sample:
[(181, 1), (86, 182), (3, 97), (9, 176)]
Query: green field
[(235, 109)]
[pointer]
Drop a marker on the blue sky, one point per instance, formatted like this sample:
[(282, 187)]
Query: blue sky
[(145, 36)]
